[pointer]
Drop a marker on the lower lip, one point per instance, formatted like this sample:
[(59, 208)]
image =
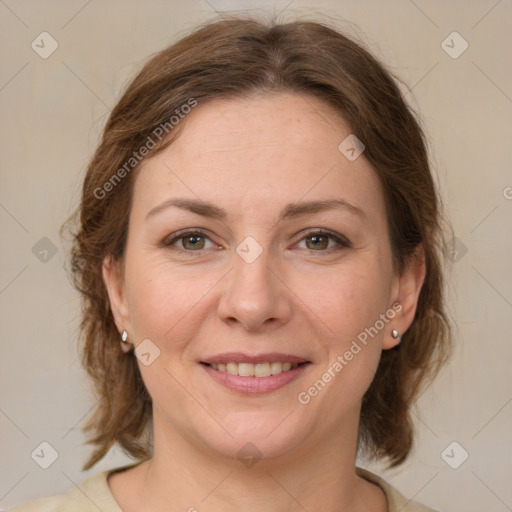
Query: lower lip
[(255, 385)]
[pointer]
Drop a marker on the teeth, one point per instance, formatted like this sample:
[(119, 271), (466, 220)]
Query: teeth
[(276, 368), (254, 370), (262, 370), (232, 368)]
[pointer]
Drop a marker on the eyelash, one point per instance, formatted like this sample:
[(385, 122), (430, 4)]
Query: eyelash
[(341, 241)]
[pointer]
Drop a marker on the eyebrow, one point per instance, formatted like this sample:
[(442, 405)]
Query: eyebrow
[(291, 210)]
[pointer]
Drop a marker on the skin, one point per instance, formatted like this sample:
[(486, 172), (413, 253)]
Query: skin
[(251, 157)]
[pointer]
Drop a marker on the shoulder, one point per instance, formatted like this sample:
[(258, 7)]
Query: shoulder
[(396, 500), (91, 495)]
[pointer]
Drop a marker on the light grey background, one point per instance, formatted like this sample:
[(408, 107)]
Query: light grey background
[(52, 111)]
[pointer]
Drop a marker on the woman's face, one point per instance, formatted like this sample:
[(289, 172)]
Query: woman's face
[(271, 278)]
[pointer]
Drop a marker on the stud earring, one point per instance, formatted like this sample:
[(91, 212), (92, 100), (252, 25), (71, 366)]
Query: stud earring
[(396, 335), (125, 345)]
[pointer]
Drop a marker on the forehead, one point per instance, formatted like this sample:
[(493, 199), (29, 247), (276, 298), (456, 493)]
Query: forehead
[(258, 152)]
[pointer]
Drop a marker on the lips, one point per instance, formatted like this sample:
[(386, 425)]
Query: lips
[(238, 357), (262, 373)]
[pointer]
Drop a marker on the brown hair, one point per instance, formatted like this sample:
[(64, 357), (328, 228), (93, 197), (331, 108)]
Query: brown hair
[(235, 57)]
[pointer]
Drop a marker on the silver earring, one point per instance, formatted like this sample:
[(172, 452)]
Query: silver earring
[(395, 335), (125, 345)]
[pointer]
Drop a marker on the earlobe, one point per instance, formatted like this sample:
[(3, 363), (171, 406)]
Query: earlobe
[(394, 336), (125, 344), (409, 285), (113, 279)]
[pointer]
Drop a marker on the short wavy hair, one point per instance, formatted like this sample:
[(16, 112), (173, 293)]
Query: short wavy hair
[(232, 58)]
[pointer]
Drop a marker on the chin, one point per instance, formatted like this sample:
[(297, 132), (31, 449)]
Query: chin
[(258, 436)]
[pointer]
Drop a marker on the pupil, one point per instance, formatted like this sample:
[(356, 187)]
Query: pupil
[(193, 241), (317, 241)]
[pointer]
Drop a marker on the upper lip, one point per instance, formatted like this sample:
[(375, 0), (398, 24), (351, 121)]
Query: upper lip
[(239, 357)]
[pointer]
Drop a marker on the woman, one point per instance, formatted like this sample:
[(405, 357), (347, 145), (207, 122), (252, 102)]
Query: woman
[(259, 251)]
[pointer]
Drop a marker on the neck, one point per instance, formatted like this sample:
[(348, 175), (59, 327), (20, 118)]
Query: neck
[(318, 475)]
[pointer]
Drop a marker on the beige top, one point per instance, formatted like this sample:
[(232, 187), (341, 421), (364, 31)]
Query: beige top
[(94, 494)]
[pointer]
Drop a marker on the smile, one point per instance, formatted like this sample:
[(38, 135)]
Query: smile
[(254, 378), (254, 370)]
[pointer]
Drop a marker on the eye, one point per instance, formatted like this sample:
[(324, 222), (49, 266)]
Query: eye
[(191, 241), (319, 241), (196, 240)]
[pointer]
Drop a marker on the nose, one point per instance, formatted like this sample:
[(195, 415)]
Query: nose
[(255, 294)]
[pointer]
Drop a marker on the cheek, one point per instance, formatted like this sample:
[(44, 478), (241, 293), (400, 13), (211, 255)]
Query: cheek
[(350, 308), (165, 301), (352, 300), (165, 307)]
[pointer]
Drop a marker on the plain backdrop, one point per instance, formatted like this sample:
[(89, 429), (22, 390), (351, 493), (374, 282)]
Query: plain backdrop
[(52, 112)]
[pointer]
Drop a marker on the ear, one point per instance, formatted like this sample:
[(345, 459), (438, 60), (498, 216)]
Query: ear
[(406, 292), (114, 282)]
